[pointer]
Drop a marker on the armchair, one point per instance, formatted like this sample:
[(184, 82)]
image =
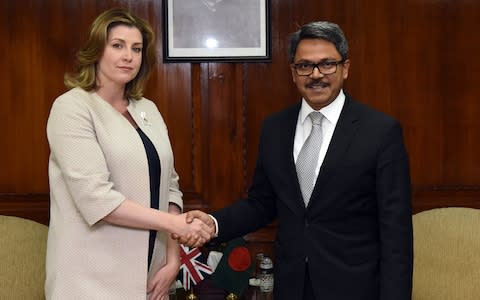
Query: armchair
[(22, 258), (446, 254)]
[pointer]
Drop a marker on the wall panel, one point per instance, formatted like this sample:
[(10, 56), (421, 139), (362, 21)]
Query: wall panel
[(413, 59)]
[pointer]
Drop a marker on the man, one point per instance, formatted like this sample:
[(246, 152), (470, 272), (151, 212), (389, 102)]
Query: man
[(344, 229)]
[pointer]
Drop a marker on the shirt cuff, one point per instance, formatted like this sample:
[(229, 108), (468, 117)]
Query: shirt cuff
[(216, 225)]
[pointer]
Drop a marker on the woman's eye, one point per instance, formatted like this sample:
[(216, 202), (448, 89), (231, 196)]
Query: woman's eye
[(137, 50), (117, 46)]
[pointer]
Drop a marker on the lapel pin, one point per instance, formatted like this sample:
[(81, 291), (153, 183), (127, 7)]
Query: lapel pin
[(143, 116)]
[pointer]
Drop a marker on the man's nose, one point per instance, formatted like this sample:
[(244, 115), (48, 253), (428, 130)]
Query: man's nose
[(316, 72)]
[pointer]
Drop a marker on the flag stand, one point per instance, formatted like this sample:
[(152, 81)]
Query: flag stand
[(191, 295), (232, 296)]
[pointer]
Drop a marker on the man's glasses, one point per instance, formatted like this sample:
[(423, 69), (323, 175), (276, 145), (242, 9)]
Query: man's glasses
[(326, 67)]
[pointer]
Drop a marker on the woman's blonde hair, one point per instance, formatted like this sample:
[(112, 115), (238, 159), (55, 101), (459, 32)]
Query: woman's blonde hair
[(90, 54)]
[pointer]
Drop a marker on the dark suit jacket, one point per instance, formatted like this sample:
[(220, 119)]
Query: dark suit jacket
[(356, 232)]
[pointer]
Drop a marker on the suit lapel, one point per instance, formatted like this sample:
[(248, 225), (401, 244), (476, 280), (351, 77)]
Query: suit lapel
[(288, 173), (342, 136)]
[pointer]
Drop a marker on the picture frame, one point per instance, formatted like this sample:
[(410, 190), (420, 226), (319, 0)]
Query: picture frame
[(216, 30)]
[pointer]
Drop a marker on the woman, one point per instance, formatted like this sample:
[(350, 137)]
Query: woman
[(112, 180)]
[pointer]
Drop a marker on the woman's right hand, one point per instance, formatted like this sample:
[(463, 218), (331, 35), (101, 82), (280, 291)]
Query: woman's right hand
[(194, 233)]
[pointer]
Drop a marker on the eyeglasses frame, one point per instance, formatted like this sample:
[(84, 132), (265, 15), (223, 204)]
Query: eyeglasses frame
[(317, 66)]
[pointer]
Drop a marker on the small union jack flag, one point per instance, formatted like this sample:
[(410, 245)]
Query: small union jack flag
[(191, 269)]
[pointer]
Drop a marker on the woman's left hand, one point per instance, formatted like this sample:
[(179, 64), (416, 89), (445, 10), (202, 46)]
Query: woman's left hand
[(159, 286)]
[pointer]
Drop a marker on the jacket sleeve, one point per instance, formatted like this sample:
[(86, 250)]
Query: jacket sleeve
[(79, 158), (395, 217)]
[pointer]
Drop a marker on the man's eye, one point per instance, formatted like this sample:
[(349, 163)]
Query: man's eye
[(328, 64), (304, 66)]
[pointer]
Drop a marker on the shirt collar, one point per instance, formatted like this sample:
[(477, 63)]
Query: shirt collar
[(331, 112)]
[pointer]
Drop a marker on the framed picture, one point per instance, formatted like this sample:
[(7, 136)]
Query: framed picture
[(216, 30)]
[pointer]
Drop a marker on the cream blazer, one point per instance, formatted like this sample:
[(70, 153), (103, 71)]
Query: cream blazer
[(97, 160)]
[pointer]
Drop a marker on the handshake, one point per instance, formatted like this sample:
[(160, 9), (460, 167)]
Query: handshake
[(194, 229)]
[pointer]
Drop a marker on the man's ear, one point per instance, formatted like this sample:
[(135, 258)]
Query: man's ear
[(346, 67)]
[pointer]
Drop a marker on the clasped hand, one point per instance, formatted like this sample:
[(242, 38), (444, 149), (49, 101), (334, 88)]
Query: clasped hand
[(195, 230)]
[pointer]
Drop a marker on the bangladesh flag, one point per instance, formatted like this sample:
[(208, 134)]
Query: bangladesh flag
[(235, 267)]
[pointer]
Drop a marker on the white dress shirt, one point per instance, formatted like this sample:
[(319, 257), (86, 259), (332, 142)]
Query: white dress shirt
[(331, 115)]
